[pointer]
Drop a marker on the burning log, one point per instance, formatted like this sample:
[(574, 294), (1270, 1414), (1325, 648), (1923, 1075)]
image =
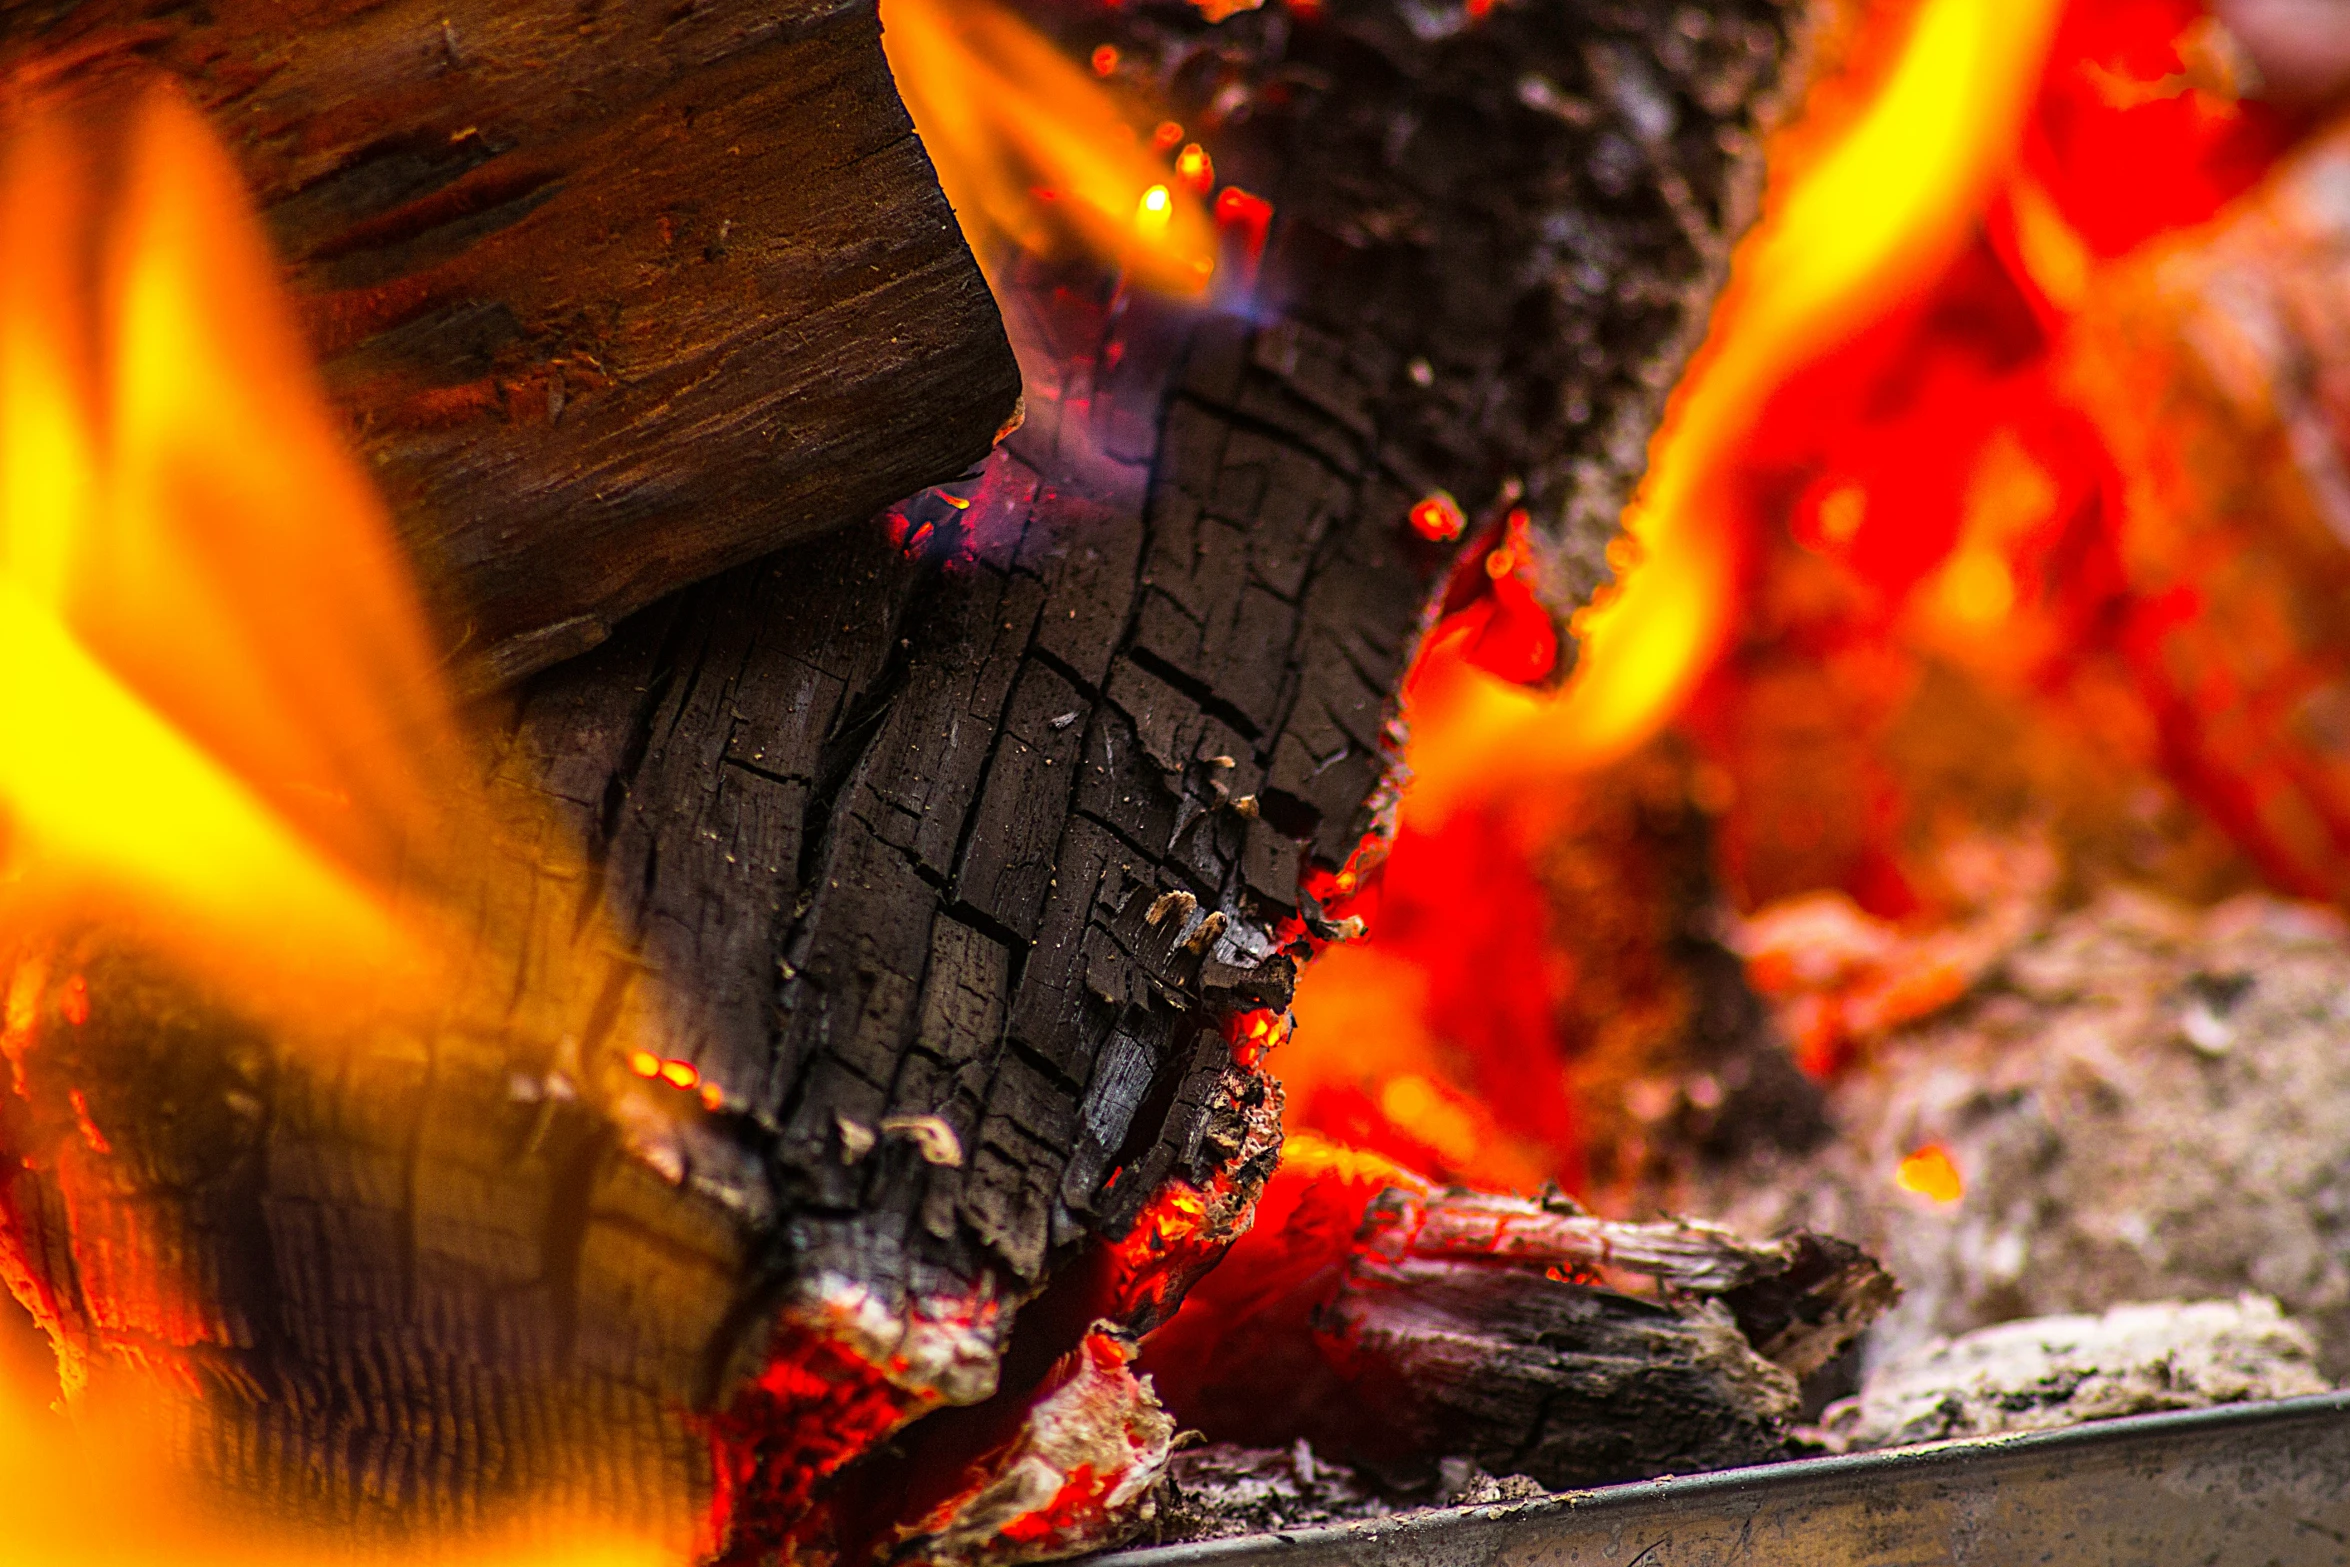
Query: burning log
[(943, 883), (542, 259), (1391, 1323)]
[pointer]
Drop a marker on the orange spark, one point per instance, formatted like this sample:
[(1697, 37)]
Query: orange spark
[(1194, 169), (1930, 1173)]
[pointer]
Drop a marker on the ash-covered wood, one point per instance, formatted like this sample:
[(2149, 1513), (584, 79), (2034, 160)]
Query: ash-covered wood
[(615, 298), (942, 856)]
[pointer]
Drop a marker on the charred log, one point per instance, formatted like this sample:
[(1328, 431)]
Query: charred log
[(952, 855), (1395, 1325), (613, 303)]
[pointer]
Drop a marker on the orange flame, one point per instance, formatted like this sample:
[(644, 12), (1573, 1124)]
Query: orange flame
[(1878, 214), (221, 711), (224, 736), (1033, 152)]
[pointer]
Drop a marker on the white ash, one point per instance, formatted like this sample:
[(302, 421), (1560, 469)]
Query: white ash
[(2046, 1372), (1222, 1490), (2144, 1101)]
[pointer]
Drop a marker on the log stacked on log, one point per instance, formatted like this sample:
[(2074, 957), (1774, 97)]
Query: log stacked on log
[(614, 300), (962, 866)]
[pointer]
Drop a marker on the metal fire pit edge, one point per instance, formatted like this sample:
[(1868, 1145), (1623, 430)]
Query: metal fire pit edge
[(2244, 1485)]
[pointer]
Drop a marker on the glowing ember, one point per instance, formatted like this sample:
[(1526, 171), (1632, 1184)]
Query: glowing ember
[(1194, 169), (1437, 516), (1929, 1173), (1153, 213)]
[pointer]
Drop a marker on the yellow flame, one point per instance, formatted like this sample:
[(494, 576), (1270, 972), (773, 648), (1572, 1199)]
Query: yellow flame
[(1880, 212), (1032, 150), (219, 707), (223, 733)]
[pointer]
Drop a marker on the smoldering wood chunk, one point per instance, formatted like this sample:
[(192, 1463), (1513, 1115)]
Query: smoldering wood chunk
[(1396, 1326), (1532, 1337), (612, 304)]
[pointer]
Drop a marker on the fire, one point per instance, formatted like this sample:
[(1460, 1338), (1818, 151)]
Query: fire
[(1868, 222), (223, 707), (225, 742), (1034, 151), (1876, 191), (1878, 674)]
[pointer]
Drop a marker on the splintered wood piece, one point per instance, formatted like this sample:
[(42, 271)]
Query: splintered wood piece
[(614, 299)]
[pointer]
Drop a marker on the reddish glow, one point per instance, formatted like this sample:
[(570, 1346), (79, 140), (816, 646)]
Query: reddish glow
[(1255, 1033), (1930, 1173), (1243, 222), (1005, 117), (644, 1063), (815, 1406), (1105, 61), (73, 1001)]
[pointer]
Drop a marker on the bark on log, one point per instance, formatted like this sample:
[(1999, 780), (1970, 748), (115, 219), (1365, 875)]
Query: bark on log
[(948, 863), (615, 298)]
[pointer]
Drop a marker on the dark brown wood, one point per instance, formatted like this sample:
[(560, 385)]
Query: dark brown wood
[(997, 828), (615, 297)]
